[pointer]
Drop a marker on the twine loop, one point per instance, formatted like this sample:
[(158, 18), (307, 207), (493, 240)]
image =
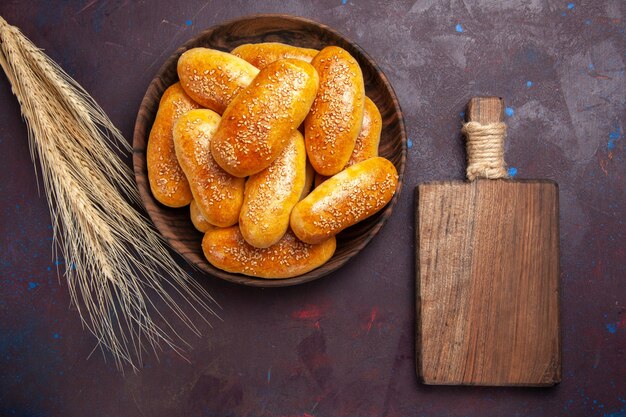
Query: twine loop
[(485, 150)]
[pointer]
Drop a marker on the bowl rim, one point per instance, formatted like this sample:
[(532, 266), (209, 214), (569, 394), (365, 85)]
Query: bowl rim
[(141, 134)]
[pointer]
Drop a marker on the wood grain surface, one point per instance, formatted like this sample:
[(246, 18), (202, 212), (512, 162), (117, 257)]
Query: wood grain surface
[(485, 110), (488, 278), (488, 283), (175, 225)]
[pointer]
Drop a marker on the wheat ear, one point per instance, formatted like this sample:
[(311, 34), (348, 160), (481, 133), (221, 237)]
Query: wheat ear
[(114, 259)]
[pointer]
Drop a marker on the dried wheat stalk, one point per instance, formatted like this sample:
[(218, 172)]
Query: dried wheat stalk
[(114, 258)]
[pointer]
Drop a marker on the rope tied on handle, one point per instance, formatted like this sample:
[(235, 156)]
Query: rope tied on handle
[(485, 150)]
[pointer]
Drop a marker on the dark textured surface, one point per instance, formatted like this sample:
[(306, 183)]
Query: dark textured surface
[(343, 345)]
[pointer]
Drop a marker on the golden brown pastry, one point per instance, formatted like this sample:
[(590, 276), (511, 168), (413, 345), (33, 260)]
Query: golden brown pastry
[(259, 121), (262, 54), (271, 194), (198, 220), (213, 78), (344, 199), (218, 194), (366, 145), (308, 182), (167, 180), (332, 126), (226, 249), (367, 142)]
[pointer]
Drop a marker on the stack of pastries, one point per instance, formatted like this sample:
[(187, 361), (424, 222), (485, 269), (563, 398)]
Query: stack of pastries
[(275, 150)]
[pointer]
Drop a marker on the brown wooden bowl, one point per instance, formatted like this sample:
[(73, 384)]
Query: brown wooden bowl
[(175, 225)]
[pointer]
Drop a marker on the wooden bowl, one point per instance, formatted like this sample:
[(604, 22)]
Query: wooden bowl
[(175, 225)]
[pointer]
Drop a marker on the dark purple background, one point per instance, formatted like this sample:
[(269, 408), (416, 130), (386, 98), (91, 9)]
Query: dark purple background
[(343, 345)]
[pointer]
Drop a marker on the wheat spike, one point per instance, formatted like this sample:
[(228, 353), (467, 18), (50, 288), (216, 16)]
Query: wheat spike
[(114, 259)]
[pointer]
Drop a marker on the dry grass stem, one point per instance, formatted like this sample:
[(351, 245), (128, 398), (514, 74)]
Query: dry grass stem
[(114, 259)]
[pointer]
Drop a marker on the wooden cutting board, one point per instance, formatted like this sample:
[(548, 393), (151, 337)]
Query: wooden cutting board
[(488, 278)]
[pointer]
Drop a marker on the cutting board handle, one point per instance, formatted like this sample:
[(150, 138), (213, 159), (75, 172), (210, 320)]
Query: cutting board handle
[(485, 131)]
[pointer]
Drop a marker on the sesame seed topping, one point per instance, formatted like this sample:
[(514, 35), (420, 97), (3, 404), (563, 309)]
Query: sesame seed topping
[(260, 119), (332, 115), (287, 254)]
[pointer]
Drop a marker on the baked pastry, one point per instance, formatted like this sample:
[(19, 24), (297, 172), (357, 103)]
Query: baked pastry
[(218, 194), (262, 54), (259, 121), (271, 194), (308, 182), (167, 180), (226, 249), (213, 78), (199, 222), (344, 199), (366, 145), (332, 126)]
